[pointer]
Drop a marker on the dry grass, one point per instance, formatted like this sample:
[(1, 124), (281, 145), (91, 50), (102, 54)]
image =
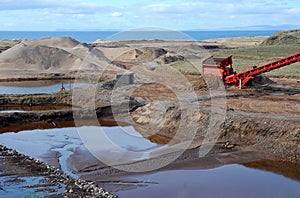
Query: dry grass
[(247, 57), (244, 58), (9, 43), (183, 67)]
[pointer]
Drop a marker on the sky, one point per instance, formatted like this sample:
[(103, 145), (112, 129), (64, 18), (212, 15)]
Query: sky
[(132, 14)]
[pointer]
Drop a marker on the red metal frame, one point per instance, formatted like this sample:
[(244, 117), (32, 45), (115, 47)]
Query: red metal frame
[(245, 76), (222, 67), (217, 66)]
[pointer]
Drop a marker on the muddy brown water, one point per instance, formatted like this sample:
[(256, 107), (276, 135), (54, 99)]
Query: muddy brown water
[(232, 180), (57, 146), (15, 108)]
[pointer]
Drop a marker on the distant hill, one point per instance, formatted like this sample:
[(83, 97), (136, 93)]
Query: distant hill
[(284, 37)]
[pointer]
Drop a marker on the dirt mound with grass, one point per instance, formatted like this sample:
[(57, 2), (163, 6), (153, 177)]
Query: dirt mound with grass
[(284, 37), (52, 54), (6, 44)]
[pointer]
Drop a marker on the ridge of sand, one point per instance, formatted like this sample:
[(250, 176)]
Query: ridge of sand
[(59, 42)]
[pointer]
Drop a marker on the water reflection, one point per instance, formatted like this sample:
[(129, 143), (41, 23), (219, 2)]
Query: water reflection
[(23, 108), (226, 181), (205, 177), (40, 143), (63, 124), (287, 169), (38, 86)]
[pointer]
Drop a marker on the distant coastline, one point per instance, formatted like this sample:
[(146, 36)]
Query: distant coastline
[(91, 36)]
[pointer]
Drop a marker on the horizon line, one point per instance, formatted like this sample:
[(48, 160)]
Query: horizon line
[(132, 30)]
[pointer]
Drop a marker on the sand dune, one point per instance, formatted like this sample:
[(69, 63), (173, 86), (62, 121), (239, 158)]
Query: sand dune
[(52, 54)]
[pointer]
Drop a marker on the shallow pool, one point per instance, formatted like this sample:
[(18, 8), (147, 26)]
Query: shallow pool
[(38, 86), (20, 108), (47, 144), (226, 181), (64, 148)]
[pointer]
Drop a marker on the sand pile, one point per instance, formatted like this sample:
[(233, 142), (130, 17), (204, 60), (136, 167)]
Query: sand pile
[(59, 42), (145, 54), (284, 37), (149, 57), (150, 54), (52, 54), (261, 80)]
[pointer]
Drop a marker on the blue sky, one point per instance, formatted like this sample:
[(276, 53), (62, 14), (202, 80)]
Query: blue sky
[(130, 14)]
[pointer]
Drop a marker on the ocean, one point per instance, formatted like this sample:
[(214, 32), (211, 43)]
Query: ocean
[(91, 36)]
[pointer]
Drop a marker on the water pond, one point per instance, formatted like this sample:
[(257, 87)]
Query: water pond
[(38, 86), (60, 146)]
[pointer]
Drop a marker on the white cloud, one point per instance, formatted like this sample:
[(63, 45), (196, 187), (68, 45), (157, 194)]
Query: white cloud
[(295, 11), (7, 25), (172, 8), (174, 14), (63, 6), (116, 14)]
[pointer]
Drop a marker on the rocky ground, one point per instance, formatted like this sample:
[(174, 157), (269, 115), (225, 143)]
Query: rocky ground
[(16, 168)]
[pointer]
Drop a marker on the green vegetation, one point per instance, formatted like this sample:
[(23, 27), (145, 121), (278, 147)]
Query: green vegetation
[(284, 37), (183, 67), (259, 55), (8, 43), (245, 58)]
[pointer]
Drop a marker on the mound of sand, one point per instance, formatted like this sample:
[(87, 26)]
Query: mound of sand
[(261, 80), (52, 54), (145, 54), (149, 57), (284, 37), (36, 57), (148, 54), (59, 42)]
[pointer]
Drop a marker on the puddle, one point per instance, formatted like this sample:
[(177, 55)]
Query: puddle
[(14, 109), (47, 144), (226, 181), (62, 124), (13, 186), (63, 148), (278, 93), (38, 86)]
